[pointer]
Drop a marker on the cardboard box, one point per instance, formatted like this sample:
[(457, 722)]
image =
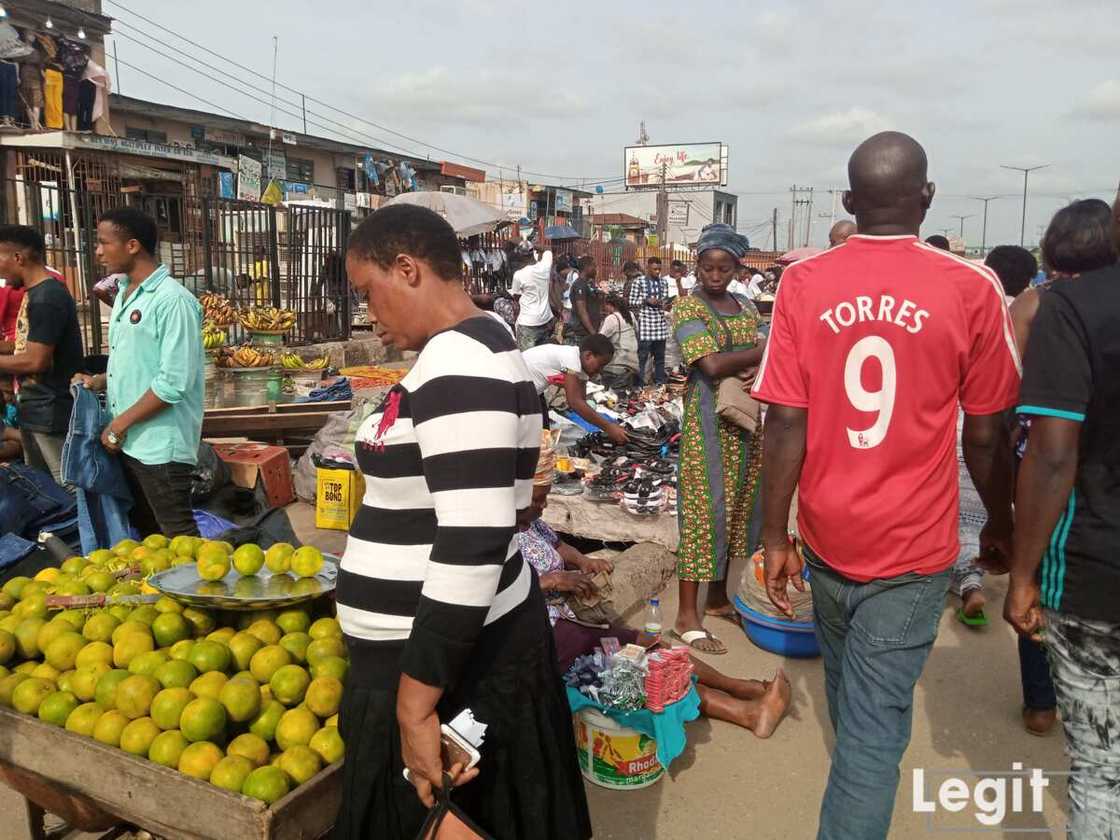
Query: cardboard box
[(253, 462), (338, 495)]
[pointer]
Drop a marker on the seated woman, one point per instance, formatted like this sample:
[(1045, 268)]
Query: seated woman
[(756, 705)]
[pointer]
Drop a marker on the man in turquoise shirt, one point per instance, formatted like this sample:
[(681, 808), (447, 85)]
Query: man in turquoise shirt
[(154, 384)]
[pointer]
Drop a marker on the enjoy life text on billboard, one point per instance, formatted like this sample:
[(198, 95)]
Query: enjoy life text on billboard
[(682, 165)]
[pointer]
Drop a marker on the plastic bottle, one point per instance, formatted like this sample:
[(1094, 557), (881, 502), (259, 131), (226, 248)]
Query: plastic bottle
[(653, 617)]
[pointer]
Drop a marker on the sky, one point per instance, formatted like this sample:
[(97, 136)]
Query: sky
[(790, 87)]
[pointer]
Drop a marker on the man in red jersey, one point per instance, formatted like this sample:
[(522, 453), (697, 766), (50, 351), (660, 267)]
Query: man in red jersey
[(874, 345)]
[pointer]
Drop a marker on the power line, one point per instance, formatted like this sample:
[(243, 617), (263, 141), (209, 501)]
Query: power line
[(340, 110)]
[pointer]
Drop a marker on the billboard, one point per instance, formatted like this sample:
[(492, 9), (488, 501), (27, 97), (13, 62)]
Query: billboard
[(681, 165)]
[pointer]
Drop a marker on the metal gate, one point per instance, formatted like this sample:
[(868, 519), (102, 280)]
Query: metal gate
[(292, 257)]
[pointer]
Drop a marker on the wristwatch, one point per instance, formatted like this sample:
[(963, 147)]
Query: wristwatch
[(113, 439)]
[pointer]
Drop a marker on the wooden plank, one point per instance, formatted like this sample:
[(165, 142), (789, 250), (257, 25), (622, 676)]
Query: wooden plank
[(163, 801), (263, 424)]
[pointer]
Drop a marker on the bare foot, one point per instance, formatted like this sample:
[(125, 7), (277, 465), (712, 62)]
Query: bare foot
[(973, 602), (746, 689), (773, 706)]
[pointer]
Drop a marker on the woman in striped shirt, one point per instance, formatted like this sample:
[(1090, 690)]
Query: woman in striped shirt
[(439, 610)]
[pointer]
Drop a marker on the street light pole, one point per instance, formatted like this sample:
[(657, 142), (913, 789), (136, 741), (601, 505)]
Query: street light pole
[(1026, 170), (984, 235), (962, 218)]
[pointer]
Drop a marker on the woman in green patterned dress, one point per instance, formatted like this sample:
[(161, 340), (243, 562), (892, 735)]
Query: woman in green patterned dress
[(720, 462)]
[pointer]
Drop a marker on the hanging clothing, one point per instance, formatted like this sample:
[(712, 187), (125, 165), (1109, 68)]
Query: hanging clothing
[(70, 95), (31, 80), (52, 98), (9, 91), (87, 94), (99, 77)]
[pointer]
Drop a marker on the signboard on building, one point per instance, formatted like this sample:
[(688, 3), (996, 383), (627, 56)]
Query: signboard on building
[(290, 139), (563, 202), (276, 164), (678, 213), (221, 137), (248, 178), (226, 186), (684, 165), (143, 148)]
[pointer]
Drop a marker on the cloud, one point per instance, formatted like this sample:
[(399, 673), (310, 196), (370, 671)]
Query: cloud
[(840, 128), (1102, 102), (438, 95)]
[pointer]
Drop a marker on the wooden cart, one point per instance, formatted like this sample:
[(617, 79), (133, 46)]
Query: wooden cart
[(93, 786)]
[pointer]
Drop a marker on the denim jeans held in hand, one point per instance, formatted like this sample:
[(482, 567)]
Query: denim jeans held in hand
[(875, 638), (104, 498)]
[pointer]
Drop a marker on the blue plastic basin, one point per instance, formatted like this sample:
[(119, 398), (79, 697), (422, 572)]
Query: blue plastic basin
[(795, 639)]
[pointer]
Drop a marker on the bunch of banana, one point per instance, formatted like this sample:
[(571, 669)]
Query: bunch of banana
[(217, 309), (212, 336), (293, 362), (267, 319), (247, 357)]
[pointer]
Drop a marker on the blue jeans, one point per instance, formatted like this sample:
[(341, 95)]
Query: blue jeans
[(1085, 662), (104, 498), (875, 638), (656, 348), (1038, 687)]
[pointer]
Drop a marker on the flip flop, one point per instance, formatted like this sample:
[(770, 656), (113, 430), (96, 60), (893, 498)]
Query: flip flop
[(690, 636), (980, 620)]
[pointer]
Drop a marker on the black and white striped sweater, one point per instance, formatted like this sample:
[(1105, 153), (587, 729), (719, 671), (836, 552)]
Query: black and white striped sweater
[(433, 553)]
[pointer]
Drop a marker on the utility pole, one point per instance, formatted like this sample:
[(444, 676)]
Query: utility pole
[(1026, 170), (984, 235), (775, 227), (663, 209), (792, 215), (303, 97), (962, 218), (809, 218)]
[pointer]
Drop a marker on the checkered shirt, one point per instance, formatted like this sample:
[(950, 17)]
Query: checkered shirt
[(653, 323)]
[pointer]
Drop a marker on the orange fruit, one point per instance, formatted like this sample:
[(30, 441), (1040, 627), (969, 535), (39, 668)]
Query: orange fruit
[(324, 647), (301, 763), (264, 724), (248, 559), (331, 666), (231, 772), (242, 700), (243, 645), (137, 737), (203, 719), (278, 558), (200, 620), (175, 674), (29, 695), (62, 652), (84, 681), (307, 561), (324, 628), (209, 684), (268, 784), (296, 644), (199, 760), (266, 631), (148, 663), (99, 627), (171, 627), (135, 695), (294, 621), (267, 661), (249, 746), (56, 708), (208, 655), (289, 684), (167, 748), (296, 726), (168, 705), (84, 718), (109, 727), (324, 696), (328, 744), (131, 645)]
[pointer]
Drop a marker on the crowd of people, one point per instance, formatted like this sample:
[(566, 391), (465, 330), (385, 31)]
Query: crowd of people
[(151, 387), (903, 354), (938, 419)]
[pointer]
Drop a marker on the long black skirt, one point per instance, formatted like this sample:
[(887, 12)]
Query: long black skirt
[(529, 784)]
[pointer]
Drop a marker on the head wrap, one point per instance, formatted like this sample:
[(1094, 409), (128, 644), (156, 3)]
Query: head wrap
[(724, 238), (546, 463)]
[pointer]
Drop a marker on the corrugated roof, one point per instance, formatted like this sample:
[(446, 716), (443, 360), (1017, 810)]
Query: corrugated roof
[(624, 219)]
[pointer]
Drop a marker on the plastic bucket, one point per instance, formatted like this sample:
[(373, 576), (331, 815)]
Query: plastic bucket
[(267, 339), (255, 386), (305, 381), (614, 756), (796, 639)]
